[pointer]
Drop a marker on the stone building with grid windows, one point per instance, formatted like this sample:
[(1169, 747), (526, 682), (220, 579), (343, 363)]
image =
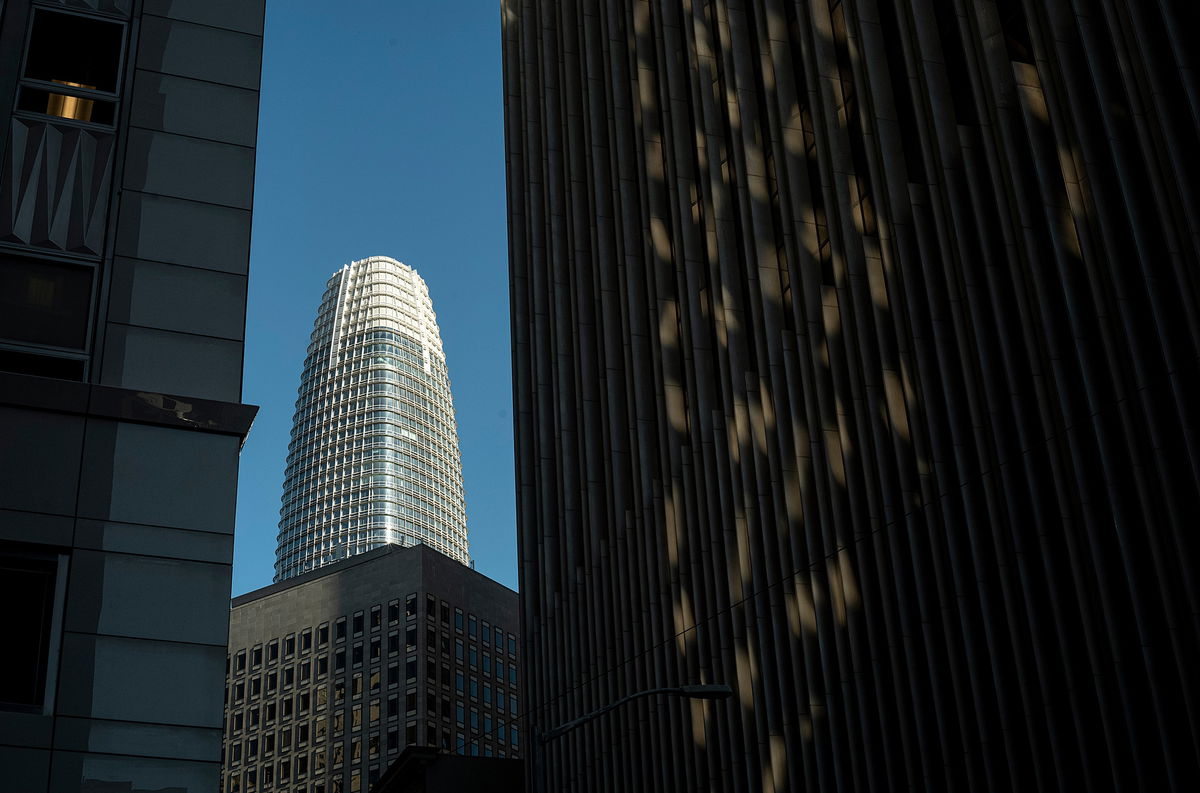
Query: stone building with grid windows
[(332, 673)]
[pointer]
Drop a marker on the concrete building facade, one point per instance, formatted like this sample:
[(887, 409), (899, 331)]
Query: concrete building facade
[(374, 455), (334, 672), (128, 132), (856, 365)]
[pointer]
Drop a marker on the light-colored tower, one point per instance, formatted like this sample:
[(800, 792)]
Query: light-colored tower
[(374, 452)]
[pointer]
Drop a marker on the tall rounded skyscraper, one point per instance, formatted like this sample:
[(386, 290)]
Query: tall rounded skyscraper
[(374, 455)]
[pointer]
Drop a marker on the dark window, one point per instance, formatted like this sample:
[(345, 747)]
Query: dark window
[(499, 639), (289, 646), (445, 614), (430, 606), (45, 302), (394, 642), (273, 652), (323, 635), (393, 674), (376, 648), (512, 644), (410, 606), (410, 669), (256, 657), (339, 660), (356, 655), (410, 638), (458, 620), (393, 612), (358, 623), (31, 580), (472, 626), (73, 67), (376, 617), (339, 629), (306, 641)]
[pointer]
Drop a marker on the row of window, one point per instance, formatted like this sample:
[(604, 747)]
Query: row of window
[(372, 620)]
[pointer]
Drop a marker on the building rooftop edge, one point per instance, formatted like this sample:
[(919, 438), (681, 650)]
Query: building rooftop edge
[(343, 564)]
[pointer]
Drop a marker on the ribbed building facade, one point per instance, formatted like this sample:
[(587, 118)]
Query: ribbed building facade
[(856, 365), (374, 455)]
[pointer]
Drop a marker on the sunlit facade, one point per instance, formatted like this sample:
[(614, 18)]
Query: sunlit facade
[(374, 453)]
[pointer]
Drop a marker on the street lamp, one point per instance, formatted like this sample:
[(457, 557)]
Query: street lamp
[(699, 691)]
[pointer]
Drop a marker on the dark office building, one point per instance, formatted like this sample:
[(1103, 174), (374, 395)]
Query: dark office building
[(333, 672), (856, 366), (127, 130)]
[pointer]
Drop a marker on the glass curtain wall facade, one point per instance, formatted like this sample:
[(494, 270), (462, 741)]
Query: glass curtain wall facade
[(374, 453)]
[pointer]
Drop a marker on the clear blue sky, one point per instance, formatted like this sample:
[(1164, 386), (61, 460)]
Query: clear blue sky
[(381, 133)]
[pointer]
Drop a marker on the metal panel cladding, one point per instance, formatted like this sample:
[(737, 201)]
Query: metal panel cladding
[(374, 455), (856, 354)]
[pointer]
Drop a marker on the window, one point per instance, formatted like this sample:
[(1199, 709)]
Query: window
[(339, 660), (459, 713), (374, 681), (458, 620), (410, 606), (358, 624), (289, 646), (356, 655), (410, 670), (410, 638), (499, 634), (512, 644), (339, 629), (430, 606), (376, 617), (472, 626), (72, 67), (458, 650), (356, 717), (376, 649), (473, 658), (323, 635), (306, 641), (273, 652), (512, 674), (31, 580), (445, 614), (256, 657)]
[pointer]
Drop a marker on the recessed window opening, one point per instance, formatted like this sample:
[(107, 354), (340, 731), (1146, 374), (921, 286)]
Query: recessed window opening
[(31, 580), (76, 63)]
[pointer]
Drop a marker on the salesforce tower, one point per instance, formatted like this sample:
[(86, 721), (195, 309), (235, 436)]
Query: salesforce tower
[(374, 455)]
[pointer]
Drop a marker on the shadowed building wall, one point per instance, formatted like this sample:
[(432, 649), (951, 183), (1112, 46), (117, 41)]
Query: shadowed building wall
[(127, 140), (855, 365)]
